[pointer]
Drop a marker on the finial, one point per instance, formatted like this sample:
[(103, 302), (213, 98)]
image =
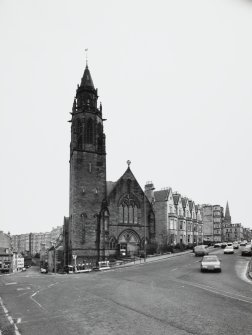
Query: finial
[(128, 162), (86, 51)]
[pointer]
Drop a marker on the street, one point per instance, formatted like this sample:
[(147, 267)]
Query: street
[(170, 296)]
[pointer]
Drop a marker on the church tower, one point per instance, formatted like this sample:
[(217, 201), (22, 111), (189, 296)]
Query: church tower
[(227, 218), (87, 175)]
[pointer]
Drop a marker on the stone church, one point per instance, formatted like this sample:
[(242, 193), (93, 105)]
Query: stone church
[(105, 218)]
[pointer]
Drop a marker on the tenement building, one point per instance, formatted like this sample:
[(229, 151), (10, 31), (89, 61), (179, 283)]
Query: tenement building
[(178, 219), (105, 218)]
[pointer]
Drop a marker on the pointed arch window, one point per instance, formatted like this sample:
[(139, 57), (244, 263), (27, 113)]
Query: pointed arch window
[(79, 142), (100, 137), (78, 126), (112, 243), (128, 209), (90, 132)]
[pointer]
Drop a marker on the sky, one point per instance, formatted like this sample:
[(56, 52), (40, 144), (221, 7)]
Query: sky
[(174, 78)]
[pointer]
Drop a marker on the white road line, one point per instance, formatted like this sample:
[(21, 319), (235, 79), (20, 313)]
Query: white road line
[(23, 288), (230, 295), (9, 318), (52, 284), (174, 269), (11, 283), (36, 302)]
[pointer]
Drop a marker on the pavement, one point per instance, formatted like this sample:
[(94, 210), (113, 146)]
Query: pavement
[(155, 258), (249, 273)]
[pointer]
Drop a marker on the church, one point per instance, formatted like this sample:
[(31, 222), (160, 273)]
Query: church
[(106, 219)]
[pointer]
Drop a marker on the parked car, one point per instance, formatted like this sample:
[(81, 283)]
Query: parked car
[(200, 250), (43, 270), (210, 263), (217, 245), (246, 251), (236, 245), (223, 245), (230, 244), (229, 249)]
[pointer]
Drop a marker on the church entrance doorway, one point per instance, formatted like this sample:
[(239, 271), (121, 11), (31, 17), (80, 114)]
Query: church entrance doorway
[(129, 242)]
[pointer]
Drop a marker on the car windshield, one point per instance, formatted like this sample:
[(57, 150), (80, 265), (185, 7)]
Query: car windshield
[(210, 259)]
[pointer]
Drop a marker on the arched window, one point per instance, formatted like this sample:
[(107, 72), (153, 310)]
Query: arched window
[(89, 132), (78, 126), (100, 137), (112, 243), (79, 142), (128, 209), (121, 213)]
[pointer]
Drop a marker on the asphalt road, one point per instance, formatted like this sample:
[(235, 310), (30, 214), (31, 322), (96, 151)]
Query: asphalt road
[(165, 297)]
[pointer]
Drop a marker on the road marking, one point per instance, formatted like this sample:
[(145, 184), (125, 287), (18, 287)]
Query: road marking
[(11, 283), (174, 269), (52, 284), (36, 302), (23, 288), (9, 317), (227, 294)]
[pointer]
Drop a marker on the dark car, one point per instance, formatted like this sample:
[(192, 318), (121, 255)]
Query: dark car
[(246, 251)]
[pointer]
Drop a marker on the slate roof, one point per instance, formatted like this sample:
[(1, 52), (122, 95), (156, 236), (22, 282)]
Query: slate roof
[(161, 195), (110, 186), (86, 80)]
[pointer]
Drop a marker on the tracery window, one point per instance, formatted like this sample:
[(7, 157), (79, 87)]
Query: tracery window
[(128, 210)]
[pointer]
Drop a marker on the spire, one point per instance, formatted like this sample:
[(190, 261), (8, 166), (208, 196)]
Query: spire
[(86, 80), (227, 214)]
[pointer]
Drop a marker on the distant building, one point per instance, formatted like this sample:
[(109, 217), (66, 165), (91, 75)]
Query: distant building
[(207, 219), (178, 219), (217, 223), (5, 240), (31, 243), (232, 232)]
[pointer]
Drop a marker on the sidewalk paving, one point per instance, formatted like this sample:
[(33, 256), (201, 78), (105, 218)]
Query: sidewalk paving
[(156, 258)]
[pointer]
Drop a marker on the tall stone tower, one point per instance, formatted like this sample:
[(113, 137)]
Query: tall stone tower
[(87, 175)]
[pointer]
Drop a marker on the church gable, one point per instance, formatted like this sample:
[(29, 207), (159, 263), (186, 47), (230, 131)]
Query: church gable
[(126, 185), (130, 210)]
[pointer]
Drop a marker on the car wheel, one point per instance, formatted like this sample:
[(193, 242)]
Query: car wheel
[(219, 270), (202, 270)]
